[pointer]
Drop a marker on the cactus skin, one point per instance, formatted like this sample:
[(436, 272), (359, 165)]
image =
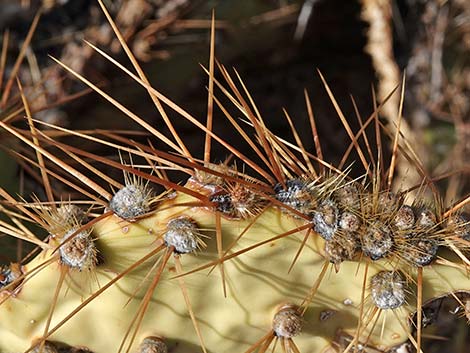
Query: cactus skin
[(257, 283), (95, 311)]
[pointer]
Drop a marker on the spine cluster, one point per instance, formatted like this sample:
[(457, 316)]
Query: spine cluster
[(227, 262)]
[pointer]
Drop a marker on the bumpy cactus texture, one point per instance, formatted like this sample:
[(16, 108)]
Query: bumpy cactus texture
[(296, 257)]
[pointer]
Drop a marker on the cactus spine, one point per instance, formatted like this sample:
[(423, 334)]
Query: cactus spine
[(229, 262)]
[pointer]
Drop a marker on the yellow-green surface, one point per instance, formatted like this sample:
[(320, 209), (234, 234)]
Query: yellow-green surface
[(257, 283)]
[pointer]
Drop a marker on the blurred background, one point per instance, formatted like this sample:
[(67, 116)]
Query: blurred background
[(276, 46), (362, 47)]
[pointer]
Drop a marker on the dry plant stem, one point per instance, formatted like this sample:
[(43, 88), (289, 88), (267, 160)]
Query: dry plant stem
[(380, 40), (150, 282)]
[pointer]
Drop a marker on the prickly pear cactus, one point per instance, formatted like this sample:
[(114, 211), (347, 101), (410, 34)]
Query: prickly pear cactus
[(295, 256)]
